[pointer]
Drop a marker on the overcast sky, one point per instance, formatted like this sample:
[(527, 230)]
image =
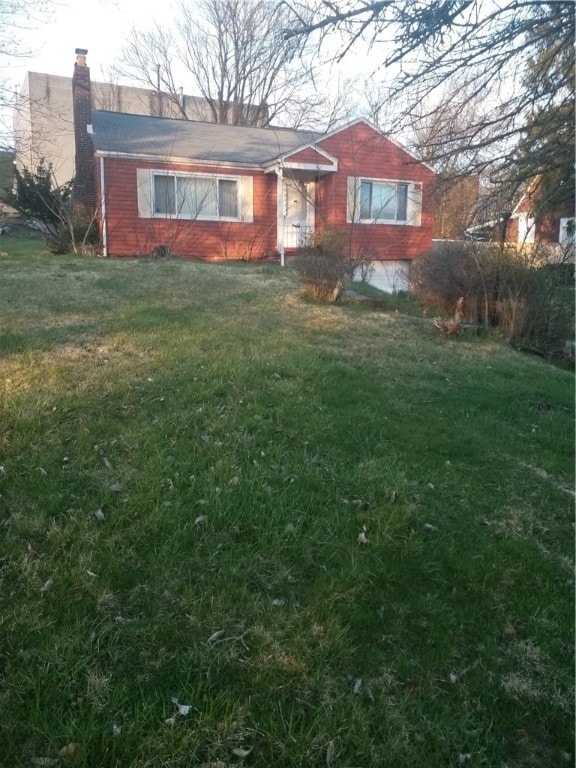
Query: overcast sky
[(101, 26)]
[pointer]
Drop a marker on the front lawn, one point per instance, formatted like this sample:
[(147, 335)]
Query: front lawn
[(324, 534)]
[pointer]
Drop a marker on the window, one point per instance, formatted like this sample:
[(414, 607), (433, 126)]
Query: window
[(191, 196), (567, 230), (164, 199), (228, 198), (383, 201)]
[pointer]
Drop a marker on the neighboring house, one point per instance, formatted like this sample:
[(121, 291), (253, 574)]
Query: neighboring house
[(532, 221), (204, 190), (44, 125)]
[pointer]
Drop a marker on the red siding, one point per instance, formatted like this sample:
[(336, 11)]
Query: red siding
[(511, 231), (362, 151), (129, 235), (546, 230), (547, 225), (308, 155)]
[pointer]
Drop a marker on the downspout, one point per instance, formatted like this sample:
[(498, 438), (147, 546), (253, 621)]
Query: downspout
[(103, 210), (280, 214)]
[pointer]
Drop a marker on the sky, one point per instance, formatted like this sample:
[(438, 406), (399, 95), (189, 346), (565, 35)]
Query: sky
[(101, 26)]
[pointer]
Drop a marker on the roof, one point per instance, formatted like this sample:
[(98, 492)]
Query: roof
[(210, 143)]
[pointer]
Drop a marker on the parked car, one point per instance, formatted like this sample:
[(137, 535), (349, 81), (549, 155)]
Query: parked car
[(480, 236)]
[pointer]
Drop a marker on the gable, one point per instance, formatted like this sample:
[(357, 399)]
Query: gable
[(359, 145), (535, 203), (307, 155)]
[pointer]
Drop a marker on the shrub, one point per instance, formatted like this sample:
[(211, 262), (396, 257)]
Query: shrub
[(161, 252), (72, 236), (327, 263), (521, 292), (323, 265), (49, 211), (548, 312)]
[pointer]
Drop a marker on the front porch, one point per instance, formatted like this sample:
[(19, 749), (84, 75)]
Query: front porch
[(296, 196), (298, 235)]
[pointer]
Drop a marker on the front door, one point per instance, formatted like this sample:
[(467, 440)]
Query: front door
[(298, 212)]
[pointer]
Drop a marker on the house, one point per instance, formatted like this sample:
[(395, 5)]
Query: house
[(203, 190), (44, 124), (532, 221)]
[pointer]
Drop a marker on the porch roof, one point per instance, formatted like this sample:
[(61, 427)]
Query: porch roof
[(305, 160), (156, 138)]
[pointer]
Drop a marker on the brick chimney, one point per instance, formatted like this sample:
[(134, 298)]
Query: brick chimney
[(83, 193)]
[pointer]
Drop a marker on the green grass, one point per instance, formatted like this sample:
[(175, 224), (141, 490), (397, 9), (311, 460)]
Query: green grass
[(398, 302), (234, 440)]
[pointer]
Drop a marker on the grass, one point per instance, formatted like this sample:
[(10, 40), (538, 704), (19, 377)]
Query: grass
[(189, 453), (400, 302)]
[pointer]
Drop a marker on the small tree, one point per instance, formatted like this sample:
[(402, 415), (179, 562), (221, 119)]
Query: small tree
[(47, 206), (327, 262)]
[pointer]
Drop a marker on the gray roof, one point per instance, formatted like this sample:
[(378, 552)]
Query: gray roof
[(157, 137)]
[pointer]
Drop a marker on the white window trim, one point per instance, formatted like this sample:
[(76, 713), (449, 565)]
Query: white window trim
[(199, 217), (413, 186)]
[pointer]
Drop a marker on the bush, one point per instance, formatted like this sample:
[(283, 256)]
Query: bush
[(324, 265), (520, 292), (161, 252), (72, 236), (48, 208), (548, 321)]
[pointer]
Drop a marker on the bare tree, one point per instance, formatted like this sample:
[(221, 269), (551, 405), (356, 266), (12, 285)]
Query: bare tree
[(442, 135), (233, 53), (16, 19), (376, 102), (150, 58), (520, 51), (443, 129)]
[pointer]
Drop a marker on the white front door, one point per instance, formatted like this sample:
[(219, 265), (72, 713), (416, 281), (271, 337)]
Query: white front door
[(298, 212)]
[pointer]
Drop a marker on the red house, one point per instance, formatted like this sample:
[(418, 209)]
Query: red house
[(534, 221), (205, 190)]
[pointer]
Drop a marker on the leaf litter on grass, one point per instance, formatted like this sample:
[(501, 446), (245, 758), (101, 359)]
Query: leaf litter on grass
[(289, 691)]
